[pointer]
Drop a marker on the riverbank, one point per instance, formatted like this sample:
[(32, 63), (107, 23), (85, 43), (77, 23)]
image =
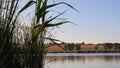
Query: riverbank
[(87, 52), (86, 48)]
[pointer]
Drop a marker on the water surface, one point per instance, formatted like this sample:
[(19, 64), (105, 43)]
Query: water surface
[(83, 60)]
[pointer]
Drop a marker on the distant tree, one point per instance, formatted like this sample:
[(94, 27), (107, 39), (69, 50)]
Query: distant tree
[(96, 47), (67, 47), (108, 46), (117, 46), (83, 43), (78, 46), (72, 46)]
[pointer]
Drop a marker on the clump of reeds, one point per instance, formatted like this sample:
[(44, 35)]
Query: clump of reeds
[(33, 49), (39, 32), (8, 19)]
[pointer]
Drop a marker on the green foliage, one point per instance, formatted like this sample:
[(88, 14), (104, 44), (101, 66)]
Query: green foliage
[(108, 45), (96, 47), (30, 3), (8, 20), (12, 35), (72, 46), (117, 46), (35, 47)]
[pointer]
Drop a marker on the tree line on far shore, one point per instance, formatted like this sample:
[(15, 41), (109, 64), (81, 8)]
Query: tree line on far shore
[(106, 47)]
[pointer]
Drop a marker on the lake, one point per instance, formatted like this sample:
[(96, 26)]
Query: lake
[(83, 60)]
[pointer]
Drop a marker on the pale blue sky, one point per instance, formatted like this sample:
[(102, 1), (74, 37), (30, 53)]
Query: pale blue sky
[(98, 21)]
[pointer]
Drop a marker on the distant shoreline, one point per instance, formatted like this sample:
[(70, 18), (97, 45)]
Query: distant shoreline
[(85, 48), (89, 52)]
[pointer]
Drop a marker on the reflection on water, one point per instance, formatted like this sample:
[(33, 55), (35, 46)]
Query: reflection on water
[(107, 61), (83, 59)]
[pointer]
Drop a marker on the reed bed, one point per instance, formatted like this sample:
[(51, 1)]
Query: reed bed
[(31, 52)]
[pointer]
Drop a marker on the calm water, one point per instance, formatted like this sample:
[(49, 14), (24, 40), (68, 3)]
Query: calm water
[(83, 60)]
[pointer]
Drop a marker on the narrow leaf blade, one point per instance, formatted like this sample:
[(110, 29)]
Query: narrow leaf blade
[(57, 24), (27, 5)]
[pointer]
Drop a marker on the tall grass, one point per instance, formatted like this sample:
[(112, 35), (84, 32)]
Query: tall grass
[(39, 32), (8, 18), (34, 37)]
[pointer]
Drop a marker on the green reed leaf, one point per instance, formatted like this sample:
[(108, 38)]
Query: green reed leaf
[(57, 24), (31, 2), (54, 18)]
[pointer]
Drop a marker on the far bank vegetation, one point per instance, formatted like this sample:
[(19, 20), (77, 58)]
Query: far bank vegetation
[(86, 48)]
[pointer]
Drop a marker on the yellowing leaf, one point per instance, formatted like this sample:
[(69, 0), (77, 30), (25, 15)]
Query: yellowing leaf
[(39, 29)]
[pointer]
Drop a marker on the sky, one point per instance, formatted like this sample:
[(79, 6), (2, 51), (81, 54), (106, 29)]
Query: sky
[(98, 21)]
